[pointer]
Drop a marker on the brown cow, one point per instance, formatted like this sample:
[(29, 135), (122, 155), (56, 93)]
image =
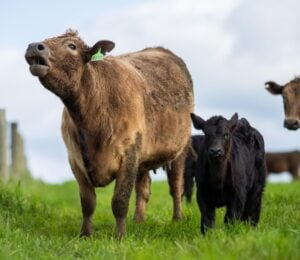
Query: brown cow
[(123, 116), (291, 101), (284, 162)]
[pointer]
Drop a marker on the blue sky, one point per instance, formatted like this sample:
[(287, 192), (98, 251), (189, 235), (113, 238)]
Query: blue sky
[(24, 21), (231, 48)]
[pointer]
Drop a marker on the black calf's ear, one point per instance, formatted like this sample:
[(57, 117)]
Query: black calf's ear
[(273, 88), (198, 122), (233, 121), (103, 46)]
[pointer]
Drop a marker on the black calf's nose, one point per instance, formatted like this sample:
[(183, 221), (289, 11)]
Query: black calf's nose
[(215, 152)]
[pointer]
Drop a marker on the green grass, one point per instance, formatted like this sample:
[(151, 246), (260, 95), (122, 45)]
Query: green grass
[(40, 221)]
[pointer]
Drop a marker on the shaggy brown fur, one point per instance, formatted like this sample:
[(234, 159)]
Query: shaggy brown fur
[(291, 101), (284, 162), (123, 116)]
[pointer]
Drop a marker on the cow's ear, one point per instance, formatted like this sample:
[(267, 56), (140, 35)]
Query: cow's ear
[(198, 122), (103, 47), (273, 87), (233, 121)]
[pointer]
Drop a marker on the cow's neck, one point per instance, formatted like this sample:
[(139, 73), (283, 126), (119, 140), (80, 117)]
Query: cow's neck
[(218, 170), (87, 101)]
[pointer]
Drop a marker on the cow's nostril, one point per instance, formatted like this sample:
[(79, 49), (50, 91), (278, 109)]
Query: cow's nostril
[(290, 122), (215, 152), (41, 47)]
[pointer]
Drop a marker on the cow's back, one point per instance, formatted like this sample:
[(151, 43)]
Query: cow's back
[(168, 101), (248, 146), (168, 83)]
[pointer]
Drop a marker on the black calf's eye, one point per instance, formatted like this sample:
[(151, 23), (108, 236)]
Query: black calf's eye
[(72, 46)]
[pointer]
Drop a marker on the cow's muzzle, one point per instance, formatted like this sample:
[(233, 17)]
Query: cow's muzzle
[(215, 152), (37, 55), (292, 124)]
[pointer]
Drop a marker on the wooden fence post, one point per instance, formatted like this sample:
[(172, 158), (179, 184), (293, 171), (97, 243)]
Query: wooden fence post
[(3, 147), (17, 152), (23, 163)]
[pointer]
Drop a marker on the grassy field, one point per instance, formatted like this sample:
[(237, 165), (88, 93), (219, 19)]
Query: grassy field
[(40, 221)]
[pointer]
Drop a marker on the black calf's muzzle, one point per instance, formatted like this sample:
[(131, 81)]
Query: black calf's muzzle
[(215, 152)]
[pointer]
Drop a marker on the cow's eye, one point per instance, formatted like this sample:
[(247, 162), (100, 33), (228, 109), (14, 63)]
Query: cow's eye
[(72, 46)]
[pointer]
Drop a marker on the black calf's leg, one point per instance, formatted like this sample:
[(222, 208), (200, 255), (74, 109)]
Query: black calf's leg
[(207, 213), (254, 197), (253, 205), (207, 218), (234, 210)]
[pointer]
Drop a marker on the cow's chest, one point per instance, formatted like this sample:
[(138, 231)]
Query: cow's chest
[(219, 195)]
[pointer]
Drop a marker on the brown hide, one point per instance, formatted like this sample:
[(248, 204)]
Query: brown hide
[(120, 99), (284, 162), (123, 116), (291, 101)]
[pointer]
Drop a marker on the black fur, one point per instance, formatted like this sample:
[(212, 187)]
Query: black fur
[(235, 176), (190, 166)]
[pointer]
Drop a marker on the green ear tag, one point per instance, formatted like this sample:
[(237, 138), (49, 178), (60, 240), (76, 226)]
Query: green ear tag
[(97, 56)]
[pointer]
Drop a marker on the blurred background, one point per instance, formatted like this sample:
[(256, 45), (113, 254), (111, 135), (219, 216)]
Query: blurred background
[(231, 47)]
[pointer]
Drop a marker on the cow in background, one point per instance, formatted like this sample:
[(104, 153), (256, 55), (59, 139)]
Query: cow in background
[(284, 162), (290, 93)]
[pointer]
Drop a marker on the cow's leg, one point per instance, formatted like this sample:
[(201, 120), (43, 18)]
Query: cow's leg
[(125, 180), (253, 205), (120, 201), (207, 215), (254, 198), (295, 171), (175, 180), (207, 212), (142, 189), (87, 198), (189, 180), (234, 209), (207, 219)]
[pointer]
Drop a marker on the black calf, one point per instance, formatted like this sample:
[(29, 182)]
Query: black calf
[(231, 170)]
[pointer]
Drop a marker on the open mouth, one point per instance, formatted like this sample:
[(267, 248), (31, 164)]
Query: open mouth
[(38, 65), (36, 60), (216, 156)]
